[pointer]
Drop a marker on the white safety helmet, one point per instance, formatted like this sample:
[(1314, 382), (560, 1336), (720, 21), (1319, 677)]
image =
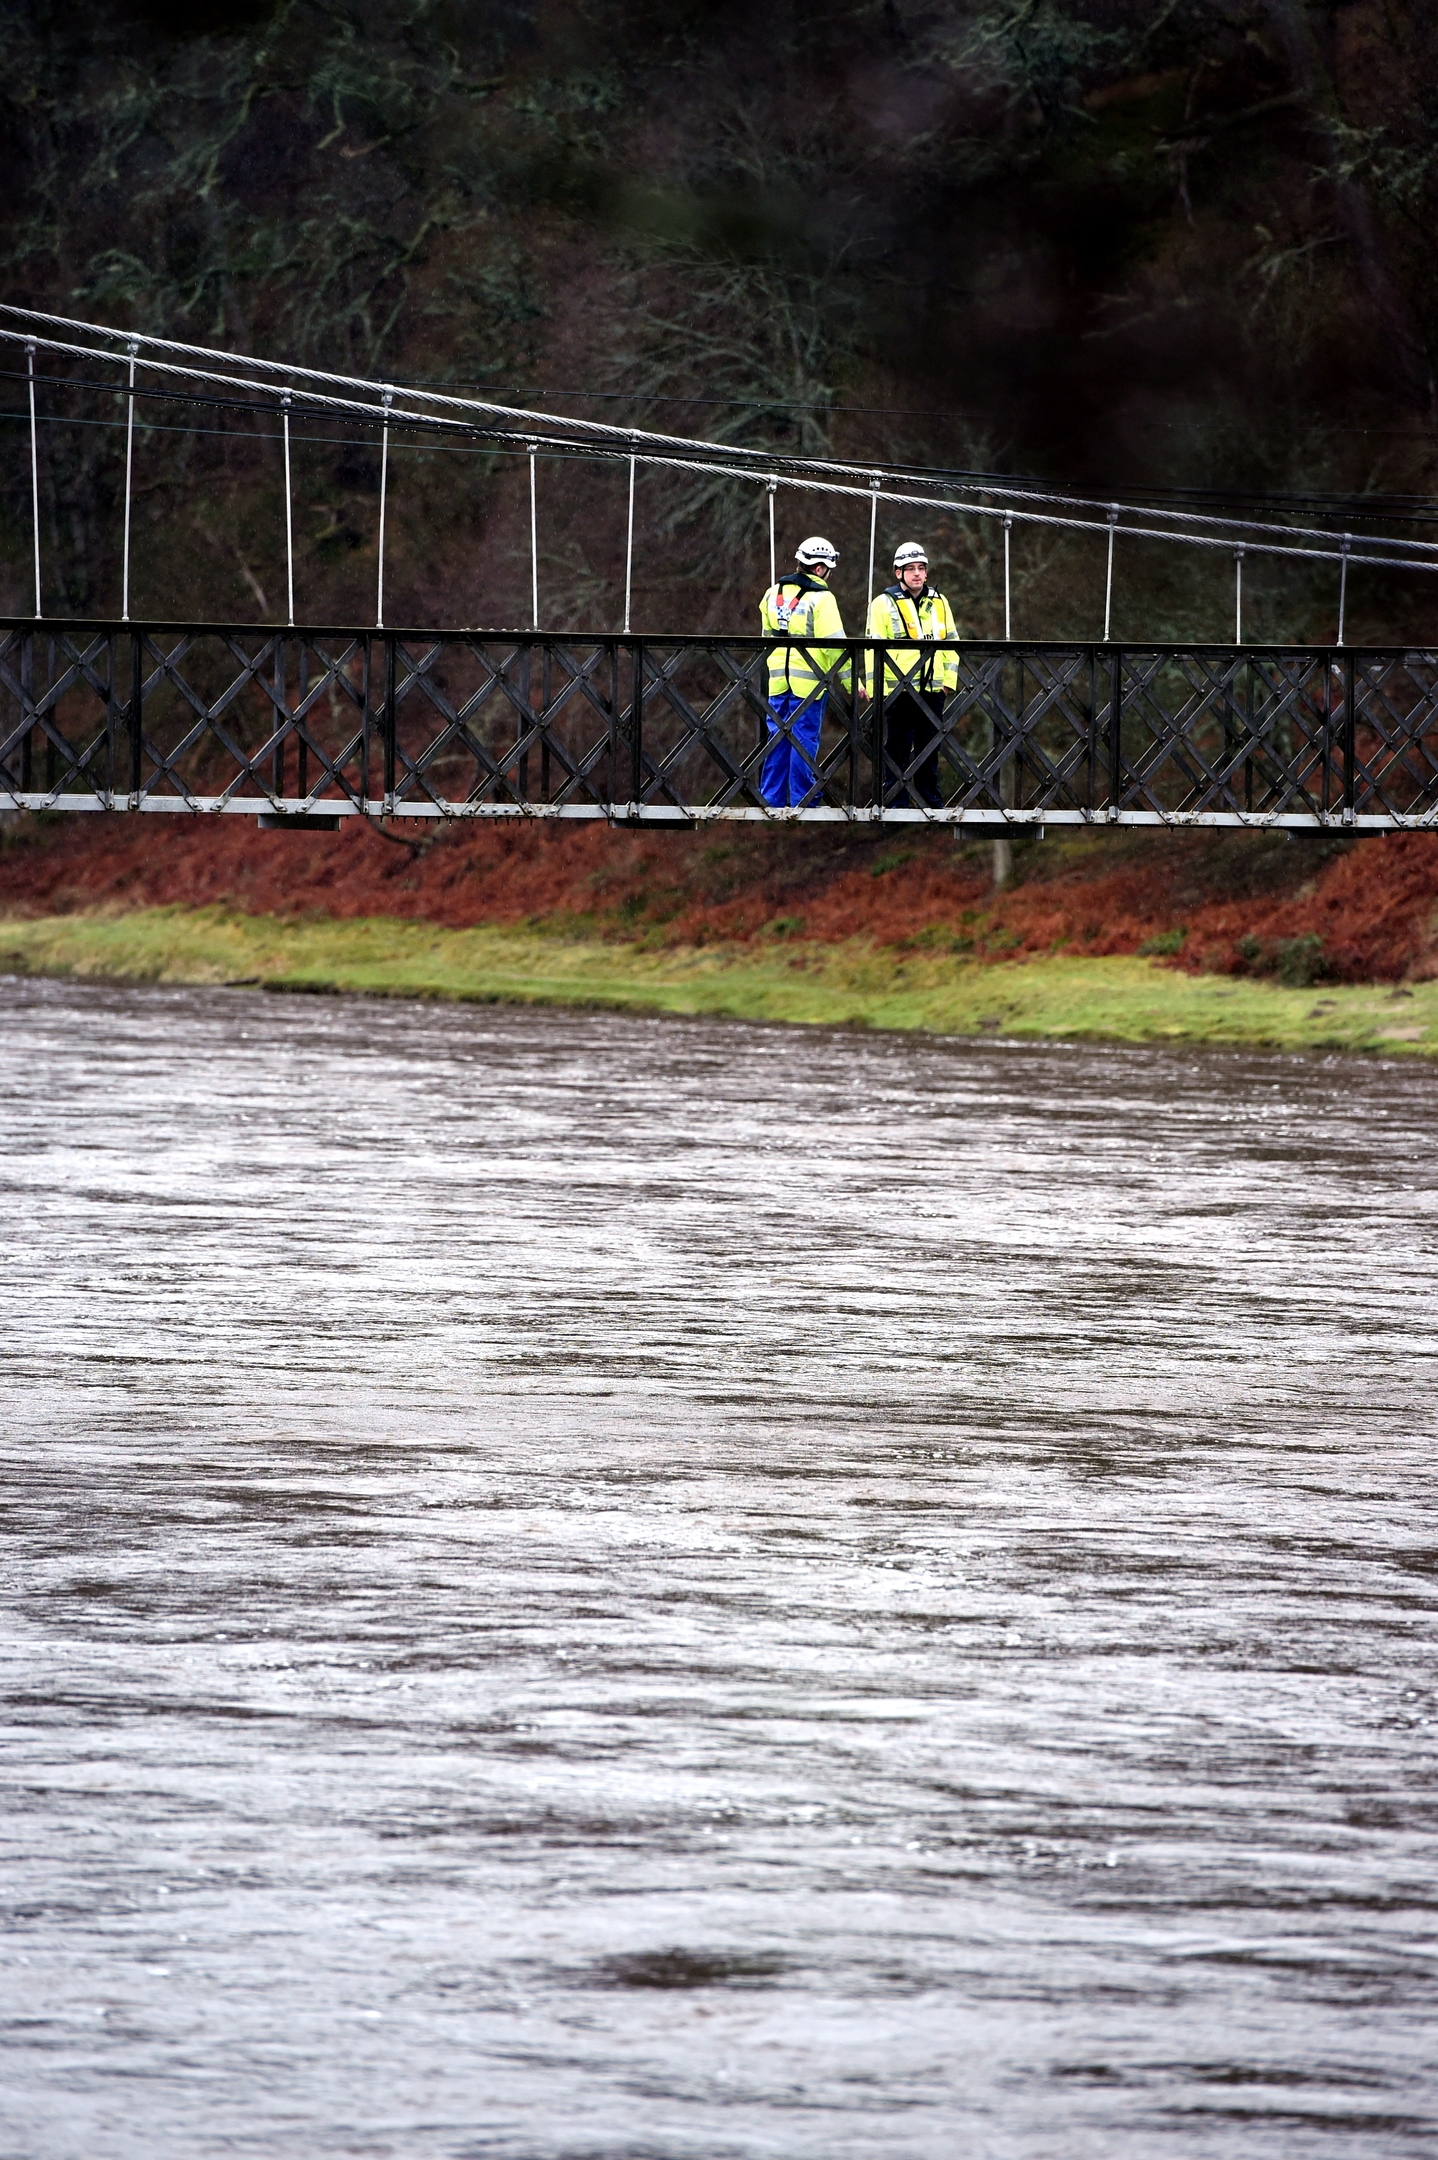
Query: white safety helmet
[(816, 550), (910, 552)]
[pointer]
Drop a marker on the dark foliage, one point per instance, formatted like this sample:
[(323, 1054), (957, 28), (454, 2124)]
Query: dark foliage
[(1125, 243)]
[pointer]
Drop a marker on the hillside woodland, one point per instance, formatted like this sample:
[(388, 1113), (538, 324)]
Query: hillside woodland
[(1176, 245)]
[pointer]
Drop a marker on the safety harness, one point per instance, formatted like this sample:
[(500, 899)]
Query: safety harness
[(785, 610), (904, 610), (908, 625), (804, 588)]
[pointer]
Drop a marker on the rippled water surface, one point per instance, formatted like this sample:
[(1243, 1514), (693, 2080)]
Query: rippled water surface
[(579, 1586)]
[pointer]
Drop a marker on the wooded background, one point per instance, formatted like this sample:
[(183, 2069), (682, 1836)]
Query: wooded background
[(1183, 246)]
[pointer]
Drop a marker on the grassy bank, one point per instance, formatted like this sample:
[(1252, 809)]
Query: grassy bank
[(850, 984)]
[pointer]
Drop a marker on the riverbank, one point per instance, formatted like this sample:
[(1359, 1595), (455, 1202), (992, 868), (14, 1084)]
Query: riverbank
[(1252, 906), (852, 983)]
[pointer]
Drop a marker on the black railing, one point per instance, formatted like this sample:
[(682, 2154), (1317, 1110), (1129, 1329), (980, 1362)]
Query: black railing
[(319, 723)]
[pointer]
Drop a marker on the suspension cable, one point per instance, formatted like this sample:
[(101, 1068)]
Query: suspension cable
[(562, 437), (495, 439), (523, 420)]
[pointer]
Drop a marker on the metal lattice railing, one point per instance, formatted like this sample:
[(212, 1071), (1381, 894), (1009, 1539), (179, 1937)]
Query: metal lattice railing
[(319, 723)]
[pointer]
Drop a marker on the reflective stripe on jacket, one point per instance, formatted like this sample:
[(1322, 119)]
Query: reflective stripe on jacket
[(801, 608), (924, 623)]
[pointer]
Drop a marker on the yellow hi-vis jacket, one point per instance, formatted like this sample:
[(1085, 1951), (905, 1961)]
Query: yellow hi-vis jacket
[(926, 622), (801, 609)]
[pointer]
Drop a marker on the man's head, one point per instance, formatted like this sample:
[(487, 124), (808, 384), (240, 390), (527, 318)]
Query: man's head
[(911, 566), (817, 556)]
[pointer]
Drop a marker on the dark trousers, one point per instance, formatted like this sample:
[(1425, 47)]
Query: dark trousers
[(911, 731)]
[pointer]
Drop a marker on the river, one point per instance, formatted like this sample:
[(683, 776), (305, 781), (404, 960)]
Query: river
[(591, 1588)]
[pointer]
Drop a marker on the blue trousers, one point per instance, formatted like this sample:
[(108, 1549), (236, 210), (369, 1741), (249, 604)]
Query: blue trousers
[(788, 773)]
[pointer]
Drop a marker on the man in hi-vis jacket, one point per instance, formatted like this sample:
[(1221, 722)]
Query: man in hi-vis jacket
[(799, 609), (916, 682)]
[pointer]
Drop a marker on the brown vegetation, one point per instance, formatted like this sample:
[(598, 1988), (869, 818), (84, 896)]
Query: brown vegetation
[(1303, 910)]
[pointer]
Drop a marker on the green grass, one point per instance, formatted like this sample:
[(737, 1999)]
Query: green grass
[(855, 984)]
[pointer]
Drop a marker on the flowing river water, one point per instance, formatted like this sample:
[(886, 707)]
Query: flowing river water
[(593, 1588)]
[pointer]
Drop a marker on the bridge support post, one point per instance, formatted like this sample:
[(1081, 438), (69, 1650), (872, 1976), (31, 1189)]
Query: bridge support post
[(135, 714), (282, 715), (611, 747), (1006, 723), (1115, 733), (877, 721), (636, 727), (112, 715), (390, 722), (27, 711), (302, 750), (52, 761), (366, 719), (1251, 726), (546, 695), (1091, 791)]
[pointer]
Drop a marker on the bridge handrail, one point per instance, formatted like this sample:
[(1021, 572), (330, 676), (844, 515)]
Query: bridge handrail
[(347, 720)]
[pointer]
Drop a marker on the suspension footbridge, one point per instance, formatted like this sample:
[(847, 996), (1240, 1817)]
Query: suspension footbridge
[(303, 724)]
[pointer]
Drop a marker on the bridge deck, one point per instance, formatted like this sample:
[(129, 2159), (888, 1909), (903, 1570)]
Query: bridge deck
[(324, 722)]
